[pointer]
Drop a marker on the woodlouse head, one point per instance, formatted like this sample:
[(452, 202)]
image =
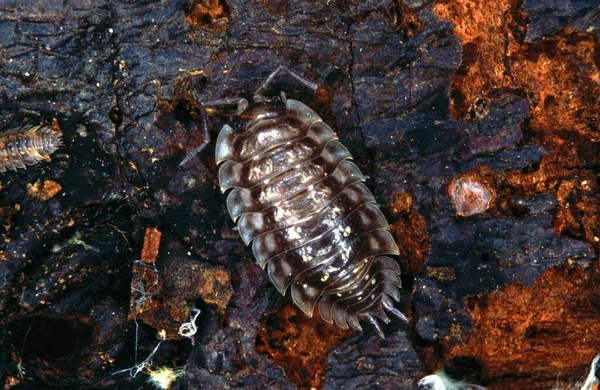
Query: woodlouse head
[(258, 112)]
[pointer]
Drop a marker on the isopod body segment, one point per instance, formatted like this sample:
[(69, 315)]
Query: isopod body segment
[(27, 145), (303, 207)]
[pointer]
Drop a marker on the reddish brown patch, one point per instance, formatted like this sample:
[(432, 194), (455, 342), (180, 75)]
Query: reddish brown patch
[(205, 12), (576, 189), (151, 245), (299, 344), (403, 19), (410, 231), (43, 191), (559, 75), (552, 328), (212, 284)]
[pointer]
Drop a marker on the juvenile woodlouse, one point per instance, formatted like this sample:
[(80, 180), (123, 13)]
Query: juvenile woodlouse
[(303, 206), (27, 145), (469, 196)]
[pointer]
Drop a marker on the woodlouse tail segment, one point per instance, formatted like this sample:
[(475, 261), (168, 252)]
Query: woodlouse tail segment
[(242, 105), (378, 311), (367, 299), (27, 146), (388, 305), (368, 317)]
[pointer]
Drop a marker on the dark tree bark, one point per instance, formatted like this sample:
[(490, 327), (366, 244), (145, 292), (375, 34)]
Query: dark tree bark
[(476, 122)]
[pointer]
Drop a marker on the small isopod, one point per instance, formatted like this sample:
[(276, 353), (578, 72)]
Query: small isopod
[(303, 207), (27, 145), (469, 196)]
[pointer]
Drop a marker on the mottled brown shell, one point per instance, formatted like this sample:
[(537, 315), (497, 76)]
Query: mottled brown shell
[(302, 205), (27, 146)]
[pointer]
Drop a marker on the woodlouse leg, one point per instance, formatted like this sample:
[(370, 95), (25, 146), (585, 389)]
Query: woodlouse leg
[(276, 72), (242, 105)]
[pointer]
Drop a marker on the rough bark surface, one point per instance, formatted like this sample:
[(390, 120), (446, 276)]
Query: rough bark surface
[(476, 122)]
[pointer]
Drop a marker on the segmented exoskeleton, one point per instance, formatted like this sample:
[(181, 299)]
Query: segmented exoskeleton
[(27, 145), (302, 205)]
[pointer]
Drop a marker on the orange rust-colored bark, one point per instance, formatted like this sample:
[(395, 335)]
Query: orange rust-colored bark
[(410, 231), (559, 75), (151, 245), (560, 78), (299, 344), (553, 327), (575, 187), (527, 336), (44, 191), (205, 12)]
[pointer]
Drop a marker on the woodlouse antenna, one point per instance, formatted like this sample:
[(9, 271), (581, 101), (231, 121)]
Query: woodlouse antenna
[(258, 93), (242, 105)]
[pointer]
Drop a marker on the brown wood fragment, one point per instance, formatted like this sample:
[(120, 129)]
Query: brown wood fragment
[(43, 191), (203, 12), (151, 245)]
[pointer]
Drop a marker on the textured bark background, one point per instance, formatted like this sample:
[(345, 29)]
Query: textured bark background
[(477, 122)]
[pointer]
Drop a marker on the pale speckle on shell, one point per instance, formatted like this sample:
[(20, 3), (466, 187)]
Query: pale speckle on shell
[(26, 146)]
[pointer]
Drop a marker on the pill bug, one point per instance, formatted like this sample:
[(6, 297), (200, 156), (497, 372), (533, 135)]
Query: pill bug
[(469, 196), (27, 145), (303, 206)]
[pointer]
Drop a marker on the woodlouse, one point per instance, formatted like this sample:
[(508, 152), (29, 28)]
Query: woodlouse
[(302, 205), (27, 145), (469, 196)]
